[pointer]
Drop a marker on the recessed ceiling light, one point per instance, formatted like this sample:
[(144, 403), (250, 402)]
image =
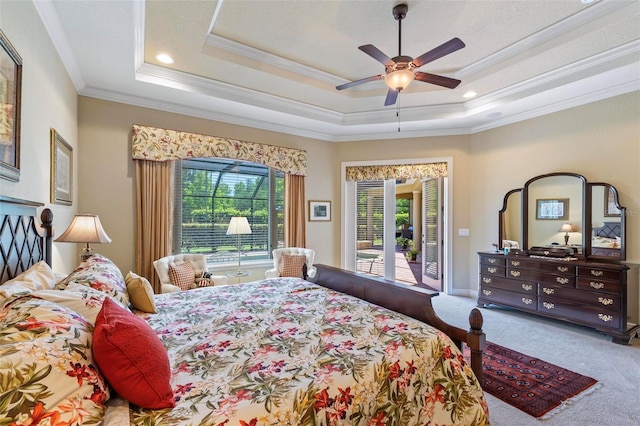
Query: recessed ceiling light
[(164, 58), (470, 94)]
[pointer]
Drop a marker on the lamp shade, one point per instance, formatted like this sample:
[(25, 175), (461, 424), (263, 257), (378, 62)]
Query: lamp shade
[(84, 228), (566, 227), (238, 225)]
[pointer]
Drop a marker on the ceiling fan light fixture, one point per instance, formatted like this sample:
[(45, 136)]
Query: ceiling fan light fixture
[(399, 79)]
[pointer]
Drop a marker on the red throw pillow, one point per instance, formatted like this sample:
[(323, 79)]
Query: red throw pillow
[(132, 358)]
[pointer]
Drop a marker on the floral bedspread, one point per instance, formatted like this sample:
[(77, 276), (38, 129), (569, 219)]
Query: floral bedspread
[(288, 352)]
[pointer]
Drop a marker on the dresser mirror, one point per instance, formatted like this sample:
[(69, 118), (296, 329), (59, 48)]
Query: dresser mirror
[(510, 233), (607, 224), (564, 210)]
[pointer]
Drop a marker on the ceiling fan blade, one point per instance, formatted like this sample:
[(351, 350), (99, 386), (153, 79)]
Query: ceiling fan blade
[(439, 80), (392, 96), (376, 54), (361, 81), (440, 51)]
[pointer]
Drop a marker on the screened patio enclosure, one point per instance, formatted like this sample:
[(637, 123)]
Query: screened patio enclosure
[(210, 191)]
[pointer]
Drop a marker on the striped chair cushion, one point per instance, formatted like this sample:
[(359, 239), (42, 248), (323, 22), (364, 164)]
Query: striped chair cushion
[(182, 275), (292, 265)]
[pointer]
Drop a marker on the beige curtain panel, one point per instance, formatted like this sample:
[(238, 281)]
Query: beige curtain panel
[(154, 204), (294, 217)]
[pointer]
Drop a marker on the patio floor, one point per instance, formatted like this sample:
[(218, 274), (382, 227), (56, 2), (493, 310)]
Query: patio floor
[(371, 262)]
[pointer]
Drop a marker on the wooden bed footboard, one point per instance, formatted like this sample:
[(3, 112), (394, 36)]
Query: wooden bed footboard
[(411, 301)]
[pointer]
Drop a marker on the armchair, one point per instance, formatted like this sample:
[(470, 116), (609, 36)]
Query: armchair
[(278, 261), (199, 263)]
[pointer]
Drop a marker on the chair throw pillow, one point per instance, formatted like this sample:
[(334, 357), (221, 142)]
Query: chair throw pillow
[(182, 275), (140, 293), (292, 265), (132, 358)]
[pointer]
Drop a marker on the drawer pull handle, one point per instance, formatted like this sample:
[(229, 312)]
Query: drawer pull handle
[(548, 290), (605, 301), (486, 280), (548, 305), (563, 268), (595, 285), (562, 280), (596, 273), (527, 301), (515, 273), (486, 292), (492, 260), (515, 263), (605, 317), (492, 270), (527, 287)]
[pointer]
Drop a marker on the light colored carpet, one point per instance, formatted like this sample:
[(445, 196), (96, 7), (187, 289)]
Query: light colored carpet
[(615, 401)]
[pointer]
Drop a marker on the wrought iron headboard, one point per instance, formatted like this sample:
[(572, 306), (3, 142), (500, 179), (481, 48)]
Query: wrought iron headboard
[(24, 240)]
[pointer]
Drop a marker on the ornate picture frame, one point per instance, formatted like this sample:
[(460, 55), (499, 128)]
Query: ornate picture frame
[(552, 209), (10, 102), (319, 211), (61, 170), (610, 208)]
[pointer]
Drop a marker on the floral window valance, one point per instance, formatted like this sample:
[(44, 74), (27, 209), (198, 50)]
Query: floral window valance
[(402, 171), (155, 144)]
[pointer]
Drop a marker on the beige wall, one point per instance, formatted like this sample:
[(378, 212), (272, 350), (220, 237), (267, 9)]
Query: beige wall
[(49, 100), (600, 140), (107, 179)]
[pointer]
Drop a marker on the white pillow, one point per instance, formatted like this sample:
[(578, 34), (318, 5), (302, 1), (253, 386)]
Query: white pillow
[(38, 277)]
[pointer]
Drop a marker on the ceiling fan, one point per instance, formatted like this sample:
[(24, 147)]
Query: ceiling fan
[(399, 71)]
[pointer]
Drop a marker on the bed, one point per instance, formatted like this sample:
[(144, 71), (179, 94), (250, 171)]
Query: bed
[(606, 239), (341, 349)]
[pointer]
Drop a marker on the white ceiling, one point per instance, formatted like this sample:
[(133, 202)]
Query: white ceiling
[(275, 64)]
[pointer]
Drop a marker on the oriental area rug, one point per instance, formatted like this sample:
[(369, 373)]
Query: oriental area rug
[(529, 384)]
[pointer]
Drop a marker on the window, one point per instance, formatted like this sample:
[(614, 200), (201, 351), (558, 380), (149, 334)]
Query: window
[(209, 191)]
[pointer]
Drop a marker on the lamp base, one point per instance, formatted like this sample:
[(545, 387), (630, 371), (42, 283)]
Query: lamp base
[(86, 253), (566, 240)]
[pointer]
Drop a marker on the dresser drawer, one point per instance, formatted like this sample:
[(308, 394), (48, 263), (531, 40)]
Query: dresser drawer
[(542, 277), (600, 285), (511, 285), (511, 298), (594, 315), (492, 260), (593, 298), (552, 267), (492, 270), (599, 273)]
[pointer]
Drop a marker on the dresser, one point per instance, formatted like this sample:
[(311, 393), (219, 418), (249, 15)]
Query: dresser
[(583, 292)]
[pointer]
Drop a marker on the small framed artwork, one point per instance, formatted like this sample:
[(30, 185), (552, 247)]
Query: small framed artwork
[(319, 210), (10, 94), (610, 208), (552, 209), (61, 170)]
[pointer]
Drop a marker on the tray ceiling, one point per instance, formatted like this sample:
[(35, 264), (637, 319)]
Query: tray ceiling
[(275, 64)]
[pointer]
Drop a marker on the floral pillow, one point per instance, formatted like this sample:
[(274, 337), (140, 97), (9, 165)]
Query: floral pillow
[(81, 299), (46, 365), (99, 273)]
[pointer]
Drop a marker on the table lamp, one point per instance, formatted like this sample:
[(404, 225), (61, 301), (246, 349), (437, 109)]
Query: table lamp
[(237, 226), (566, 228), (85, 228)]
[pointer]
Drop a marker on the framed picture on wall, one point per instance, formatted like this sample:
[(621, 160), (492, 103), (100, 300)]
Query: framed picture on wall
[(319, 211), (10, 95), (552, 209), (61, 170), (610, 209)]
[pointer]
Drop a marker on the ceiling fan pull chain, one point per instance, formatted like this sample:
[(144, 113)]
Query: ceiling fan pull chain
[(398, 112)]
